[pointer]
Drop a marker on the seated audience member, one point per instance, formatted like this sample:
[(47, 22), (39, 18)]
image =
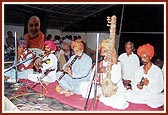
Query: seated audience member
[(10, 47), (10, 40), (111, 89), (67, 39), (25, 67), (129, 63), (59, 53), (159, 62), (57, 39), (64, 54), (49, 37), (148, 81), (45, 66), (67, 51), (75, 71)]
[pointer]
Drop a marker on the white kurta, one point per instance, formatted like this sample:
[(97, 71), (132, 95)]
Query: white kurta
[(129, 64), (51, 75), (150, 94), (116, 101)]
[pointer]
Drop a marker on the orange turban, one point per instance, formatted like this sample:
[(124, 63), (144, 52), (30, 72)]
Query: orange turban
[(77, 44), (146, 49)]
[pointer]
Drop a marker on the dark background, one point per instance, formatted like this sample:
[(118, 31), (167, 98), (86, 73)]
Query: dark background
[(140, 23)]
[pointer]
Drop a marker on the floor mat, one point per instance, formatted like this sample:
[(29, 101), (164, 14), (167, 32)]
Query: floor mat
[(78, 102)]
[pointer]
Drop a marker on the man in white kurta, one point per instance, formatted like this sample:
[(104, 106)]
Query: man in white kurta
[(118, 100), (148, 81), (129, 62), (47, 64)]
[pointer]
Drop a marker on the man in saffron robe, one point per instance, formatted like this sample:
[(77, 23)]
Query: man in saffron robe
[(34, 37)]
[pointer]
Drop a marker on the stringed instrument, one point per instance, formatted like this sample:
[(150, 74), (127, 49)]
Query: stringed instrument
[(108, 88), (39, 61)]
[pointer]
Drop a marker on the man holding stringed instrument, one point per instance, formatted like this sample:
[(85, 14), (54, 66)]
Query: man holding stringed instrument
[(111, 87), (110, 90), (25, 58), (46, 65), (75, 71)]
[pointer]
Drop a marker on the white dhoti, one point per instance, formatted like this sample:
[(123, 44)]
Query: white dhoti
[(85, 87), (117, 101), (152, 100)]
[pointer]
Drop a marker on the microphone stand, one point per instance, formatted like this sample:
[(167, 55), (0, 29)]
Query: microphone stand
[(95, 83), (15, 57), (40, 82), (17, 64), (41, 89)]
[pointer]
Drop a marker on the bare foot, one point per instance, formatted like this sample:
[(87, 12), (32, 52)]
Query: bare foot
[(59, 89)]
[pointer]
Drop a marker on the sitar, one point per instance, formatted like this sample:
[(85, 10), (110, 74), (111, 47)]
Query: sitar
[(108, 87)]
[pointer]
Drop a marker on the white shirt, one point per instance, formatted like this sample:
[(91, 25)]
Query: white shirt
[(129, 65), (155, 77), (150, 94)]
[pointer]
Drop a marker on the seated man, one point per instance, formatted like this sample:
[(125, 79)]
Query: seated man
[(25, 67), (75, 71), (129, 64), (148, 81), (10, 48), (46, 66), (111, 89), (64, 54)]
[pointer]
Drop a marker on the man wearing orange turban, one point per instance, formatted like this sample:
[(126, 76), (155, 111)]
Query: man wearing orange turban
[(146, 49), (148, 81), (76, 72)]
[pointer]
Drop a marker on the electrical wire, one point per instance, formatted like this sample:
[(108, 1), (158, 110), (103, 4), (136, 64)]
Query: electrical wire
[(29, 105)]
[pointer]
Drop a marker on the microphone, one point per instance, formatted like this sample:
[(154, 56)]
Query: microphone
[(100, 58)]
